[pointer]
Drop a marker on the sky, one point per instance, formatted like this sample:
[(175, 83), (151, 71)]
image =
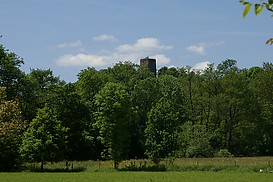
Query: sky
[(68, 36)]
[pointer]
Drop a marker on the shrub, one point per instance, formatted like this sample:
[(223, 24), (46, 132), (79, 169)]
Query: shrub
[(223, 153)]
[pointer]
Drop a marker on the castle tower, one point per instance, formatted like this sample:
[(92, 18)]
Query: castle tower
[(150, 63)]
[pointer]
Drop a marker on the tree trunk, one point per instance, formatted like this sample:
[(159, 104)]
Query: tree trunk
[(42, 165), (116, 164)]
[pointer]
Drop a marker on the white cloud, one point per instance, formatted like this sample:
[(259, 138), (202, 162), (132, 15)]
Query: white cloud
[(144, 45), (93, 60), (105, 37), (82, 60), (142, 48), (77, 43), (198, 49), (201, 66), (201, 48), (162, 60)]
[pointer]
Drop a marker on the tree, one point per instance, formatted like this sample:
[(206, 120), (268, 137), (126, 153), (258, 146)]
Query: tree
[(261, 86), (11, 131), (45, 139), (128, 74), (37, 88), (168, 71), (145, 95), (90, 81), (10, 73), (162, 131), (194, 140), (113, 121), (74, 115), (258, 9)]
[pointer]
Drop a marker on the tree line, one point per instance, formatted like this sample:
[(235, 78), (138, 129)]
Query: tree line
[(125, 112)]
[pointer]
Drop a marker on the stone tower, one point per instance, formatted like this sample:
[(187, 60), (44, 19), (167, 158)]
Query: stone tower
[(150, 63)]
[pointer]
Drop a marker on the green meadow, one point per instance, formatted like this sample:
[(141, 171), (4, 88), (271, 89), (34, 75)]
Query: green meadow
[(135, 176), (184, 169)]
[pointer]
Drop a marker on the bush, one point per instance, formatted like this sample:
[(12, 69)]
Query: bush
[(223, 153), (198, 148), (195, 143)]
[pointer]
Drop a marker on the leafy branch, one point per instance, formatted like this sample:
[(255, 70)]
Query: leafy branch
[(258, 8)]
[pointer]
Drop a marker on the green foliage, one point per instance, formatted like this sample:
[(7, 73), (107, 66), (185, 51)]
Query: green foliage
[(223, 153), (45, 139), (162, 131), (195, 141), (168, 71), (89, 83), (37, 88), (11, 129), (247, 8), (145, 94), (10, 73), (74, 115), (113, 121), (258, 8)]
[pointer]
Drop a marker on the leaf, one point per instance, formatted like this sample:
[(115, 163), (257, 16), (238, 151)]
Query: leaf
[(269, 7), (270, 1), (246, 10), (243, 2), (258, 8), (270, 41)]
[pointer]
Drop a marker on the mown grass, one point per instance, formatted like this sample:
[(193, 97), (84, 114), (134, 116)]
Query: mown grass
[(135, 176)]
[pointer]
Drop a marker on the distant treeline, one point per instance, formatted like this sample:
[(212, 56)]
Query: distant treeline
[(125, 112)]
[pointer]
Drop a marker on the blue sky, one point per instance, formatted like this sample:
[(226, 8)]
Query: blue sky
[(68, 36)]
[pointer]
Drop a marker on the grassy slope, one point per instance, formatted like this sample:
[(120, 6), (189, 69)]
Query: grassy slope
[(135, 176)]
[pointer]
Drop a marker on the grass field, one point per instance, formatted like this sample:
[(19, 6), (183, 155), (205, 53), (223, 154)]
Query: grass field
[(194, 169), (246, 164), (135, 176)]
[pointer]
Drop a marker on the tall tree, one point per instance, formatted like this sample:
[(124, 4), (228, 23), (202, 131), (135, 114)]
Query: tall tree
[(145, 95), (74, 115), (162, 131), (261, 86), (113, 121)]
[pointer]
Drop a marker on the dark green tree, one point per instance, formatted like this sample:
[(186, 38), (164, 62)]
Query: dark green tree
[(10, 73), (37, 88), (168, 71), (75, 116), (261, 86), (145, 94)]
